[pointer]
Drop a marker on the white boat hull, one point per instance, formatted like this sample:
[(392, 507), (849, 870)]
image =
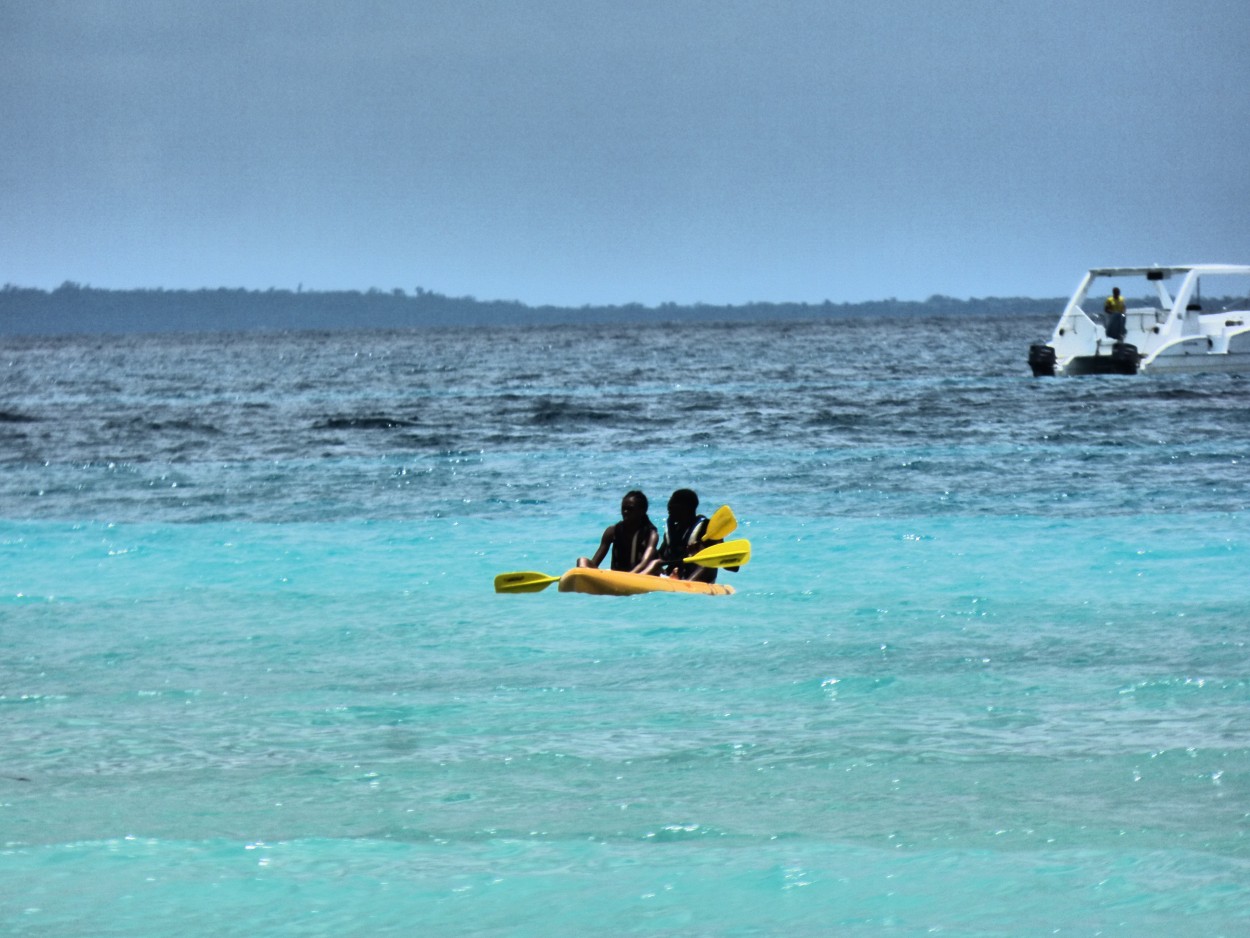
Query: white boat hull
[(1174, 336)]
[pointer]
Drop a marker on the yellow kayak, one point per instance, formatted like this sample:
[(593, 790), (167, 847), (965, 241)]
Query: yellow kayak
[(616, 583)]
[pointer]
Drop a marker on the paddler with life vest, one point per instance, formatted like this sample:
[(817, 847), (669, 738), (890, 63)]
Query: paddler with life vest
[(631, 540), (684, 535)]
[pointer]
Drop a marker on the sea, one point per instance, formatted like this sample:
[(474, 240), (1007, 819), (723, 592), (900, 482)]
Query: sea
[(987, 672)]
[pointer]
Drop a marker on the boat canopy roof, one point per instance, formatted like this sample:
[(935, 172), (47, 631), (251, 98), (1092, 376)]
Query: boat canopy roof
[(1156, 272)]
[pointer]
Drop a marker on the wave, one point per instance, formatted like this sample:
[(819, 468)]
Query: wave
[(369, 422)]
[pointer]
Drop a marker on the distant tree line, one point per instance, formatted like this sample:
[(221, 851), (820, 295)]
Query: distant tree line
[(73, 308)]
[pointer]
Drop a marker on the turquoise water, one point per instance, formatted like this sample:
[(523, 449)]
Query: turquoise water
[(986, 672)]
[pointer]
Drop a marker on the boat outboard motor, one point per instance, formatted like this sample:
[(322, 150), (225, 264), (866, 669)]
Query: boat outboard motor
[(1125, 359), (1042, 360)]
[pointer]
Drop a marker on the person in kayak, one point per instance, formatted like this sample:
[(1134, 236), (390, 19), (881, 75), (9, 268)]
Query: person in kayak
[(631, 540), (684, 534)]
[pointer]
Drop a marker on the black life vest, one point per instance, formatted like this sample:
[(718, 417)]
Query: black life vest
[(629, 546), (679, 539)]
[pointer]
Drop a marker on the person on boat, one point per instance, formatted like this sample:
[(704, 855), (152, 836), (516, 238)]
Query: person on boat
[(684, 534), (631, 540), (1113, 309)]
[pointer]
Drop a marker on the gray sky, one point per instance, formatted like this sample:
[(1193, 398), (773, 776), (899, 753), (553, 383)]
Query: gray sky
[(609, 151)]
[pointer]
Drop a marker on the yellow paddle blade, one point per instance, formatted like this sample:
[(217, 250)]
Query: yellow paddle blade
[(524, 581), (729, 554), (720, 525)]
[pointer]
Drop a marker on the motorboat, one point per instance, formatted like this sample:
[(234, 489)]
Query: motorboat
[(1190, 318)]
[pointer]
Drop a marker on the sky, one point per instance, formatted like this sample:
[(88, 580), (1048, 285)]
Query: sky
[(575, 152)]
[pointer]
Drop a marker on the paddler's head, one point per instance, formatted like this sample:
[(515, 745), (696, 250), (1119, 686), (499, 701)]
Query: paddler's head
[(683, 504), (634, 508)]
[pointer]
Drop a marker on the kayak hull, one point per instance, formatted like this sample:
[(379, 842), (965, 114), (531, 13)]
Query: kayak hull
[(615, 583)]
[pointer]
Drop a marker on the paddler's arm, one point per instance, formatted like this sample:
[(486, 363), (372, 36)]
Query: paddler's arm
[(605, 543), (647, 562)]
